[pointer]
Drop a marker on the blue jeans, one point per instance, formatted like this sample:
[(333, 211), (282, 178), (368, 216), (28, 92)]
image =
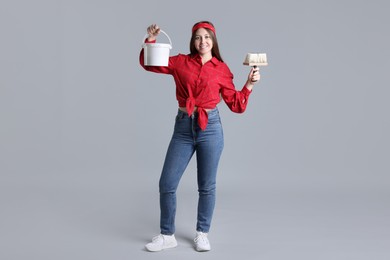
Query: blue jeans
[(208, 144)]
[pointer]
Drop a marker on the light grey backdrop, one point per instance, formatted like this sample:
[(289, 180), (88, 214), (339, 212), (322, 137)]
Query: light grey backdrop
[(84, 130)]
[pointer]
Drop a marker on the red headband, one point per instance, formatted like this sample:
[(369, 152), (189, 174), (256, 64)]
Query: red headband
[(203, 25)]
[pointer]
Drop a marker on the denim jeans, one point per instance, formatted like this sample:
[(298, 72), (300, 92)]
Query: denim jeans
[(187, 139)]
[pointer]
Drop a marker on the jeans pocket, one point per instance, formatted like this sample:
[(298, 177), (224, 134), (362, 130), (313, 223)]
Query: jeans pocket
[(180, 116), (214, 119)]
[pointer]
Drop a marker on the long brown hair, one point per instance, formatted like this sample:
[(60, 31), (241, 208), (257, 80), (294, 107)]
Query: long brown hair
[(214, 51)]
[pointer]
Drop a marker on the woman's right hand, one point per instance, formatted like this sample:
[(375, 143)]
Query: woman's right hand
[(153, 30)]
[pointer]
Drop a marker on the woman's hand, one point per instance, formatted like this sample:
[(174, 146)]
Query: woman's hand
[(253, 77), (153, 30)]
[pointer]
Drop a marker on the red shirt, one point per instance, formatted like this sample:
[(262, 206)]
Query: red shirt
[(200, 85)]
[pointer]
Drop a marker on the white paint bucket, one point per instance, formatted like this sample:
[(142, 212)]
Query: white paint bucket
[(157, 54)]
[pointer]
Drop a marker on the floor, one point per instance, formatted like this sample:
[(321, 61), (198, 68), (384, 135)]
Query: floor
[(106, 218)]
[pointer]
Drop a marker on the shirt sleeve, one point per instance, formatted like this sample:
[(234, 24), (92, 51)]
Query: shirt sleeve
[(236, 100), (156, 69)]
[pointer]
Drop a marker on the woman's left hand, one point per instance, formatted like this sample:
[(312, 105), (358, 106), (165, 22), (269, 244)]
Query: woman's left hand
[(253, 78), (254, 75)]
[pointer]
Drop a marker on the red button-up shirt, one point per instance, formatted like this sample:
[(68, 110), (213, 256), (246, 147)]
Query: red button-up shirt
[(202, 85)]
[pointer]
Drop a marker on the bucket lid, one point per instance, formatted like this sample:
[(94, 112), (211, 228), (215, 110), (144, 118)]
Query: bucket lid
[(157, 45)]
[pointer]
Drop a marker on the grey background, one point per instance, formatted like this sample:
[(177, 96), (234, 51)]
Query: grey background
[(84, 130)]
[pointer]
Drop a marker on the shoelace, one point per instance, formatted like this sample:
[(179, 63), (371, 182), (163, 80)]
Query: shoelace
[(201, 236), (157, 238)]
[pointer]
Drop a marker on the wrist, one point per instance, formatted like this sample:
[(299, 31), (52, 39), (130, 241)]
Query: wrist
[(151, 39), (249, 85)]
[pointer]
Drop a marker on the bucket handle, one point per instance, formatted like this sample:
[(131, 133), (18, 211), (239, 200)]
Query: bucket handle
[(146, 36)]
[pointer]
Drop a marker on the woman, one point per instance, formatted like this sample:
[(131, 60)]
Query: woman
[(201, 78)]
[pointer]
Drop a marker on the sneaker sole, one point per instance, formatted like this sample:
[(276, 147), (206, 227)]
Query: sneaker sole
[(160, 249), (202, 249)]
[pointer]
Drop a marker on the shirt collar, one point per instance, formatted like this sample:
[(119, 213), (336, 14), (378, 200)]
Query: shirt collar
[(213, 60)]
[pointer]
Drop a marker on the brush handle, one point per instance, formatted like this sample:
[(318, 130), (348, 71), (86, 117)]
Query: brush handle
[(253, 73), (255, 67)]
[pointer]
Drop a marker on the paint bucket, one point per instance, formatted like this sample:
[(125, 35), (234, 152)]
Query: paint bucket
[(156, 54)]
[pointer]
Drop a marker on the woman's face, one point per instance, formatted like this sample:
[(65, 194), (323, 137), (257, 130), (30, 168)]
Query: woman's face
[(203, 42)]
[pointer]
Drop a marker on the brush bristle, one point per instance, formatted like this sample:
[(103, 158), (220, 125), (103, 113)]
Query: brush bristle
[(256, 59)]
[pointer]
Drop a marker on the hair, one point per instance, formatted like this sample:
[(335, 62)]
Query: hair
[(214, 51)]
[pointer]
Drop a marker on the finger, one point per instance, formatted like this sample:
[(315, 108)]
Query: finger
[(155, 30), (152, 28), (255, 78)]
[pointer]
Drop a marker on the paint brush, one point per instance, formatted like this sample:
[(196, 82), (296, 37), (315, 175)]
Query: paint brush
[(256, 59)]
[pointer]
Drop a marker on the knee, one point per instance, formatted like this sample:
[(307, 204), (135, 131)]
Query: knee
[(166, 188), (207, 189)]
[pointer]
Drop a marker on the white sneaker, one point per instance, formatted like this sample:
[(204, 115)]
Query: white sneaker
[(161, 242), (202, 242)]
